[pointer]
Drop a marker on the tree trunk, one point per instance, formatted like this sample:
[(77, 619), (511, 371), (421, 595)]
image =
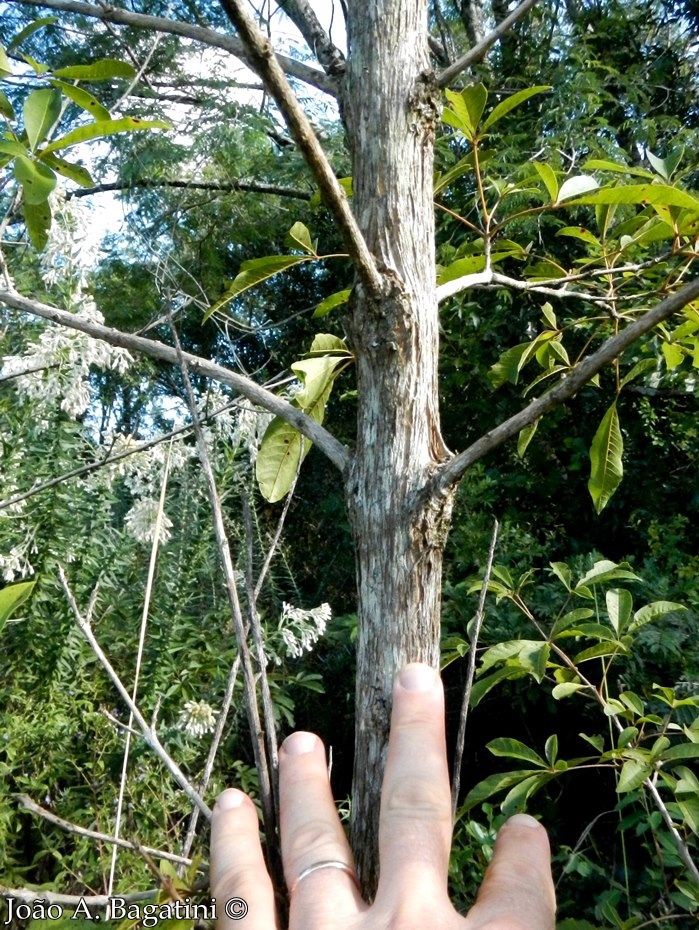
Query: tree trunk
[(391, 111)]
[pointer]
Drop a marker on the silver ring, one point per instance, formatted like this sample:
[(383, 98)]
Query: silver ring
[(325, 864)]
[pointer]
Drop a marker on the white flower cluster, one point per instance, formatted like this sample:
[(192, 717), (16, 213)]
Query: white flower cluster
[(58, 366), (140, 521), (241, 425), (71, 248), (301, 629), (197, 718), (16, 563)]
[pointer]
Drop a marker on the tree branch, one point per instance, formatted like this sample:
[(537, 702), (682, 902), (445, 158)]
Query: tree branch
[(263, 62), (253, 187), (326, 442), (34, 808), (210, 37), (478, 51), (304, 18), (453, 470)]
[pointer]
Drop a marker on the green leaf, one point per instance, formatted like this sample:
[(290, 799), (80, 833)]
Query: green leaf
[(37, 180), (461, 267), (565, 689), (673, 354), (548, 176), (37, 218), (101, 129), (509, 103), (551, 749), (69, 170), (575, 186), (633, 702), (466, 109), (652, 611), (658, 165), (619, 606), (41, 110), (606, 460), (253, 272), (549, 316), (597, 741), (579, 232), (681, 751), (482, 687), (317, 376), (300, 238), (646, 364), (103, 70), (30, 30), (643, 194), (334, 300), (517, 797), (514, 749), (11, 147), (600, 650), (633, 773), (492, 785), (83, 99), (12, 597), (5, 66), (509, 365), (6, 108), (604, 570), (627, 735), (525, 437), (600, 164), (282, 451)]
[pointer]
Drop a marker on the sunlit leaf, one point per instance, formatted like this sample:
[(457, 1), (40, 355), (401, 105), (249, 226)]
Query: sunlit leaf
[(633, 773), (575, 186), (84, 100), (12, 597), (69, 170), (492, 785), (101, 129), (334, 300), (103, 70), (5, 66), (509, 103), (619, 606), (525, 437), (30, 30), (37, 218), (6, 108), (300, 238), (254, 272), (548, 176), (37, 180), (41, 110), (653, 611)]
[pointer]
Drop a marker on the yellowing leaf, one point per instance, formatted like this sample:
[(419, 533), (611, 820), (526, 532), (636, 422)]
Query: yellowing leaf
[(100, 129)]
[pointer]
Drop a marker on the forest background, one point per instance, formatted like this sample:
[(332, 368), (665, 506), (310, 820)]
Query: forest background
[(565, 186)]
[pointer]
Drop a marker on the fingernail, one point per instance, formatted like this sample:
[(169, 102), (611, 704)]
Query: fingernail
[(229, 799), (417, 677), (299, 743), (523, 820)]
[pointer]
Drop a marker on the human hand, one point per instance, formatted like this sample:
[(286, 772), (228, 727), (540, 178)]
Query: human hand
[(414, 840)]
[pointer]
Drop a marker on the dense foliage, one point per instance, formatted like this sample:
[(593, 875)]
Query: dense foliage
[(588, 674)]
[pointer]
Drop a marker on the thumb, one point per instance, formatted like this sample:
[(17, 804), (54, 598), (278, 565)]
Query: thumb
[(518, 888)]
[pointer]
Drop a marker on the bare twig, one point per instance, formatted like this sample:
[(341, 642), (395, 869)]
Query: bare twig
[(213, 749), (256, 628), (224, 187), (453, 470), (478, 51), (139, 658), (470, 673), (262, 762), (231, 44), (319, 42), (275, 540), (34, 808), (263, 62), (325, 441), (149, 735)]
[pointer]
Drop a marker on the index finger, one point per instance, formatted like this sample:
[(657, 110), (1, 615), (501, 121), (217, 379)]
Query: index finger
[(415, 821)]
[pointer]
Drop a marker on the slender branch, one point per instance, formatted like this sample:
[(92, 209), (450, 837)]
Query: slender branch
[(213, 750), (262, 762), (325, 441), (253, 187), (471, 673), (34, 808), (478, 51), (264, 64), (304, 18), (453, 470), (680, 844), (275, 538), (149, 734), (231, 44)]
